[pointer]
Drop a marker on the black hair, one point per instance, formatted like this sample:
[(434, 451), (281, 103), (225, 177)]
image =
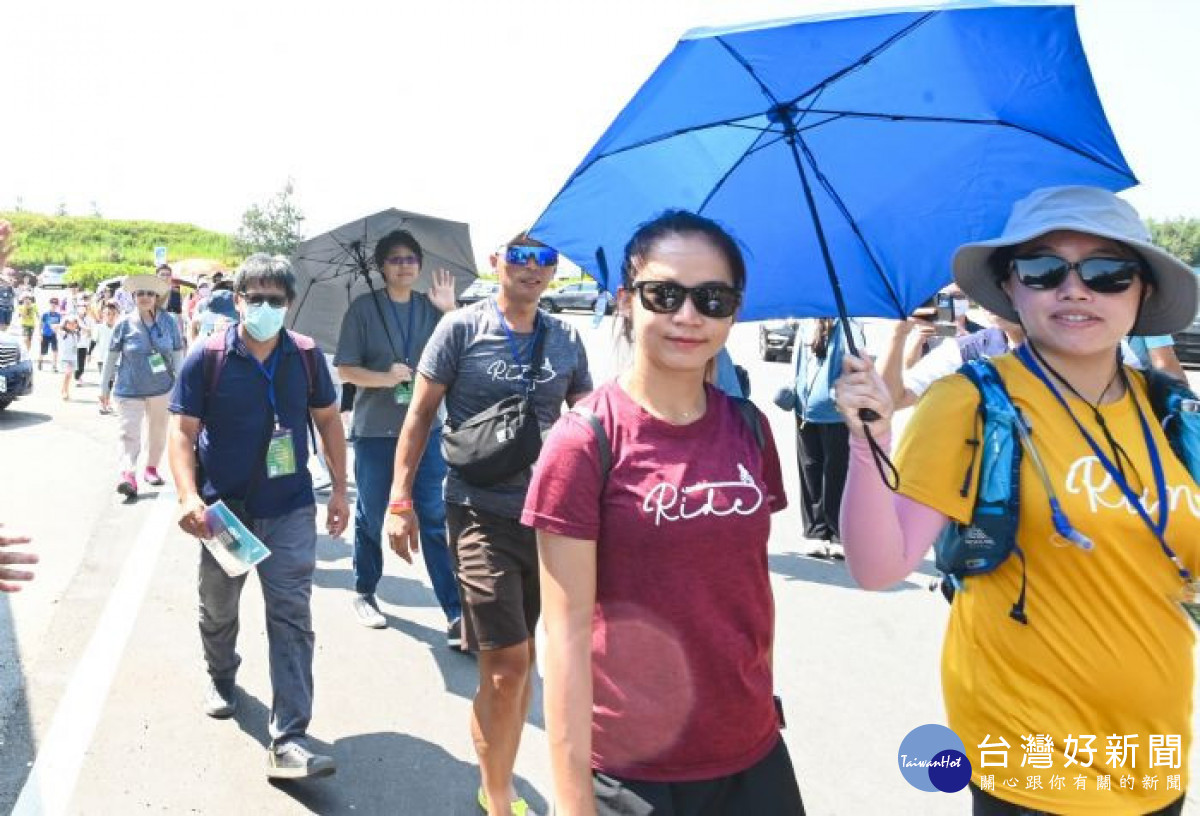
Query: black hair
[(393, 239), (822, 336), (681, 222), (267, 270)]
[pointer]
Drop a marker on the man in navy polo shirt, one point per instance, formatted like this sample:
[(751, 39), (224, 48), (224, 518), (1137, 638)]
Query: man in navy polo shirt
[(248, 418)]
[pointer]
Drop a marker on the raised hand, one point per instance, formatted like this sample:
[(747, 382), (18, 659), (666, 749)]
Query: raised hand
[(8, 243), (441, 292)]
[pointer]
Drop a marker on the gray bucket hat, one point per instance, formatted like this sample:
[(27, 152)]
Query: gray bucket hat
[(1170, 307)]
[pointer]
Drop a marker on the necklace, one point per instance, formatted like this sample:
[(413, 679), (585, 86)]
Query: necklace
[(1118, 452)]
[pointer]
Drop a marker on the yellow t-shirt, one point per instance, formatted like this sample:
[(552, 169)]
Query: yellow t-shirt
[(28, 315), (1107, 652)]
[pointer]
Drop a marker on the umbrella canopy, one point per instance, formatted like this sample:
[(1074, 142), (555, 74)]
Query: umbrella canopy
[(334, 268), (870, 145)]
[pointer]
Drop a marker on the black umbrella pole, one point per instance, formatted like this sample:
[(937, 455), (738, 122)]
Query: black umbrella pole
[(865, 414)]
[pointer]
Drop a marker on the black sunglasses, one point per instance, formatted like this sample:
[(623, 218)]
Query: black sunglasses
[(277, 301), (716, 300), (1107, 276)]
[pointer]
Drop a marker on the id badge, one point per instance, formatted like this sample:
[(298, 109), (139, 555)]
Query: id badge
[(403, 392), (1189, 601), (281, 454), (157, 364)]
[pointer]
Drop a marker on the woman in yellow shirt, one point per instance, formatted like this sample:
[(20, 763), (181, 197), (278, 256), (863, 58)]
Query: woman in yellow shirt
[(1084, 703)]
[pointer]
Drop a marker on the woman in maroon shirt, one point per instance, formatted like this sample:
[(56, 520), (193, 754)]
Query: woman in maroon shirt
[(654, 580)]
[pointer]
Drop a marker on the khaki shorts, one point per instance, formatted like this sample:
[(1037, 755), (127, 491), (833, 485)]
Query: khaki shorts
[(496, 562)]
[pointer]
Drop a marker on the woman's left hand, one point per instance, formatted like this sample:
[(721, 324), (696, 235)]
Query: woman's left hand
[(441, 292)]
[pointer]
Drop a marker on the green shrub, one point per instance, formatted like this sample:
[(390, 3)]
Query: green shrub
[(89, 273), (74, 240)]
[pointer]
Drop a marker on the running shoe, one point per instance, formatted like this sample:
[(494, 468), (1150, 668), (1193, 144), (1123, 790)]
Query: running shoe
[(220, 701), (152, 478), (367, 612), (454, 635), (293, 760), (519, 807), (127, 487)]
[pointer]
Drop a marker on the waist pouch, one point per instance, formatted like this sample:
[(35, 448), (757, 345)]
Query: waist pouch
[(496, 443)]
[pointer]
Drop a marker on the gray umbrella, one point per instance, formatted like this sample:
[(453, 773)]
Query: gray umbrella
[(335, 267)]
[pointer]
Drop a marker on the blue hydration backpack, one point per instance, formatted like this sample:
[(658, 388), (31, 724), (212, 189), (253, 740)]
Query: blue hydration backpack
[(963, 550)]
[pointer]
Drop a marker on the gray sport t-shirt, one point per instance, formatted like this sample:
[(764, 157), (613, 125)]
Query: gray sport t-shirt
[(471, 355), (368, 342)]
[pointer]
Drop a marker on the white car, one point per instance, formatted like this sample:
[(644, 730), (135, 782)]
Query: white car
[(54, 276)]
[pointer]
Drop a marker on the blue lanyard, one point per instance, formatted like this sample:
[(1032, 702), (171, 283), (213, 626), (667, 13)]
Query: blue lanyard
[(152, 329), (512, 341), (405, 337), (1160, 481), (268, 371)]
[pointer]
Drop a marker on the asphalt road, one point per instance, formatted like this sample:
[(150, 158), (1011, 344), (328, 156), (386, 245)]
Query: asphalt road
[(101, 679)]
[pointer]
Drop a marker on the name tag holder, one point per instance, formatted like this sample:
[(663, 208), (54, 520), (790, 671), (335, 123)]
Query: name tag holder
[(281, 454)]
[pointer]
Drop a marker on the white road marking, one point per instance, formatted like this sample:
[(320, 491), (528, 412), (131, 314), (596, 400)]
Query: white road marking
[(51, 781)]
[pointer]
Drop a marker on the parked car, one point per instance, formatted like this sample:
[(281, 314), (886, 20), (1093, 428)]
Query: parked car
[(16, 369), (776, 339), (477, 291), (580, 295), (54, 276), (1187, 342)]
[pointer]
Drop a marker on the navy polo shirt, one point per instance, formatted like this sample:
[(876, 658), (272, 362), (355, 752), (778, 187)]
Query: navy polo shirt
[(237, 421)]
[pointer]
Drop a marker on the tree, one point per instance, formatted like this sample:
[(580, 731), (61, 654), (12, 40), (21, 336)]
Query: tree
[(273, 228), (1179, 236), (96, 209), (61, 209)]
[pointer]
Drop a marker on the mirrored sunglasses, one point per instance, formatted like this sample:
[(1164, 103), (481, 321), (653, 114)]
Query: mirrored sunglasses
[(716, 300), (521, 255), (1107, 276), (405, 260)]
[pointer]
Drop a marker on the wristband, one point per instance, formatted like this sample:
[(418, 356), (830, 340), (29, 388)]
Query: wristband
[(398, 506)]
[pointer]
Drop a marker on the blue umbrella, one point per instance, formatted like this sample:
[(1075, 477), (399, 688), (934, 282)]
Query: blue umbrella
[(849, 155)]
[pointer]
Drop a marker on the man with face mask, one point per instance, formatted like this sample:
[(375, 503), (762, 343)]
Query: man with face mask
[(241, 411)]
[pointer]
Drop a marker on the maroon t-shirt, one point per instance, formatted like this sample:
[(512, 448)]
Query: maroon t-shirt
[(684, 617)]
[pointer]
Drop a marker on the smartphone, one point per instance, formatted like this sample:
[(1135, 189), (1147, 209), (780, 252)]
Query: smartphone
[(946, 326)]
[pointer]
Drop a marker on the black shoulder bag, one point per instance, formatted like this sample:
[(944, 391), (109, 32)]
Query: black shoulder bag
[(503, 440)]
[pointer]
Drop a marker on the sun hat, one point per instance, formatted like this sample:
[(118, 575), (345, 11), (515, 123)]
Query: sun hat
[(1169, 308), (147, 283)]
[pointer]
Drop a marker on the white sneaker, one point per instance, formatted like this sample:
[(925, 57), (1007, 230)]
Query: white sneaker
[(367, 612), (293, 760)]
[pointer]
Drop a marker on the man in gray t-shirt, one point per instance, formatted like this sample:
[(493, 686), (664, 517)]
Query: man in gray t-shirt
[(471, 355), (478, 356), (383, 335)]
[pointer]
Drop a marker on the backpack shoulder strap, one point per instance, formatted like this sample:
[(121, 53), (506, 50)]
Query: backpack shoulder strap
[(308, 353), (216, 350), (603, 446), (753, 419)]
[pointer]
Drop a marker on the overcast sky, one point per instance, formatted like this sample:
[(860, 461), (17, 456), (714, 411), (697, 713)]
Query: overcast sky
[(474, 110)]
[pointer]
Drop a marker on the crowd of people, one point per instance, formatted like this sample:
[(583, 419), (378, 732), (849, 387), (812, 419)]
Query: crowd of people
[(584, 506)]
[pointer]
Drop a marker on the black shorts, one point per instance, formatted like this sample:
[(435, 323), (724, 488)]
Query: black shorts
[(49, 343), (496, 563), (984, 804), (767, 788)]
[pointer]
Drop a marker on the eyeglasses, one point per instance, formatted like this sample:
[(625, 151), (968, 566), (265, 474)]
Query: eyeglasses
[(1107, 276), (521, 255), (145, 293), (717, 300), (277, 301), (405, 260)]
